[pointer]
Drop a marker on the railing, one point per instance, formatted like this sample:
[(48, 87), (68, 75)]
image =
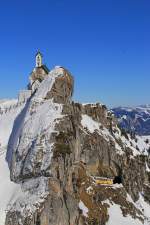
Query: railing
[(10, 108)]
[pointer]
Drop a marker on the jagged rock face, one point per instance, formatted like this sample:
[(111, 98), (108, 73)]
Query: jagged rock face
[(32, 141), (63, 145), (38, 73), (62, 89), (37, 76)]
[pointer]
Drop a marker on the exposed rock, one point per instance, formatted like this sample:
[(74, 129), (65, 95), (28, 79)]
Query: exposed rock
[(62, 89), (64, 145), (37, 76)]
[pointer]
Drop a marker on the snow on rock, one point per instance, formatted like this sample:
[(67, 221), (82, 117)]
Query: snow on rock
[(142, 206), (28, 200), (147, 168), (25, 122), (139, 145), (14, 197), (8, 189), (39, 117), (91, 125), (9, 111), (116, 217), (17, 127), (115, 186), (34, 124), (48, 82), (83, 208), (7, 119)]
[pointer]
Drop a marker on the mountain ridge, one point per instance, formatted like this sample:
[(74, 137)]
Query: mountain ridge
[(71, 162), (134, 119)]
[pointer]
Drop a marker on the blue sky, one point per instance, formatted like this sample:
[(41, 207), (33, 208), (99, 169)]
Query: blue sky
[(104, 43)]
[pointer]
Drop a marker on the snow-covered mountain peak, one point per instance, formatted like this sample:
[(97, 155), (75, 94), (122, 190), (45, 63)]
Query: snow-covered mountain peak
[(25, 122), (71, 163), (30, 125), (48, 82), (135, 119)]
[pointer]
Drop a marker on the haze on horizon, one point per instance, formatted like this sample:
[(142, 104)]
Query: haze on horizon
[(104, 44)]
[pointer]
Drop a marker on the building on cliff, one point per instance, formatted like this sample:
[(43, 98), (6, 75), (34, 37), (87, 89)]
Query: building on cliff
[(39, 72), (57, 148)]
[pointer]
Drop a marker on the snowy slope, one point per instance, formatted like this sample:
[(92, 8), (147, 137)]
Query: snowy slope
[(17, 117), (38, 117), (139, 145), (26, 124), (31, 123), (9, 111), (8, 189), (116, 217), (12, 117)]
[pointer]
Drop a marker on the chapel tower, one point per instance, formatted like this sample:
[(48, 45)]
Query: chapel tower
[(39, 59), (39, 72)]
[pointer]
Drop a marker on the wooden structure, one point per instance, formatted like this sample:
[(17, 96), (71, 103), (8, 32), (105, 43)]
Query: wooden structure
[(103, 181)]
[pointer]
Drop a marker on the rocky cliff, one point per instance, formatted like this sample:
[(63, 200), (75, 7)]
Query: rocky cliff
[(58, 153)]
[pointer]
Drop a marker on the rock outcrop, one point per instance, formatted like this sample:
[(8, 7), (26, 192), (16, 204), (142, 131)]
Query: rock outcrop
[(60, 148)]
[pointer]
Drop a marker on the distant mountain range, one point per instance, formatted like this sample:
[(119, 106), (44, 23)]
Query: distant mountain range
[(135, 119)]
